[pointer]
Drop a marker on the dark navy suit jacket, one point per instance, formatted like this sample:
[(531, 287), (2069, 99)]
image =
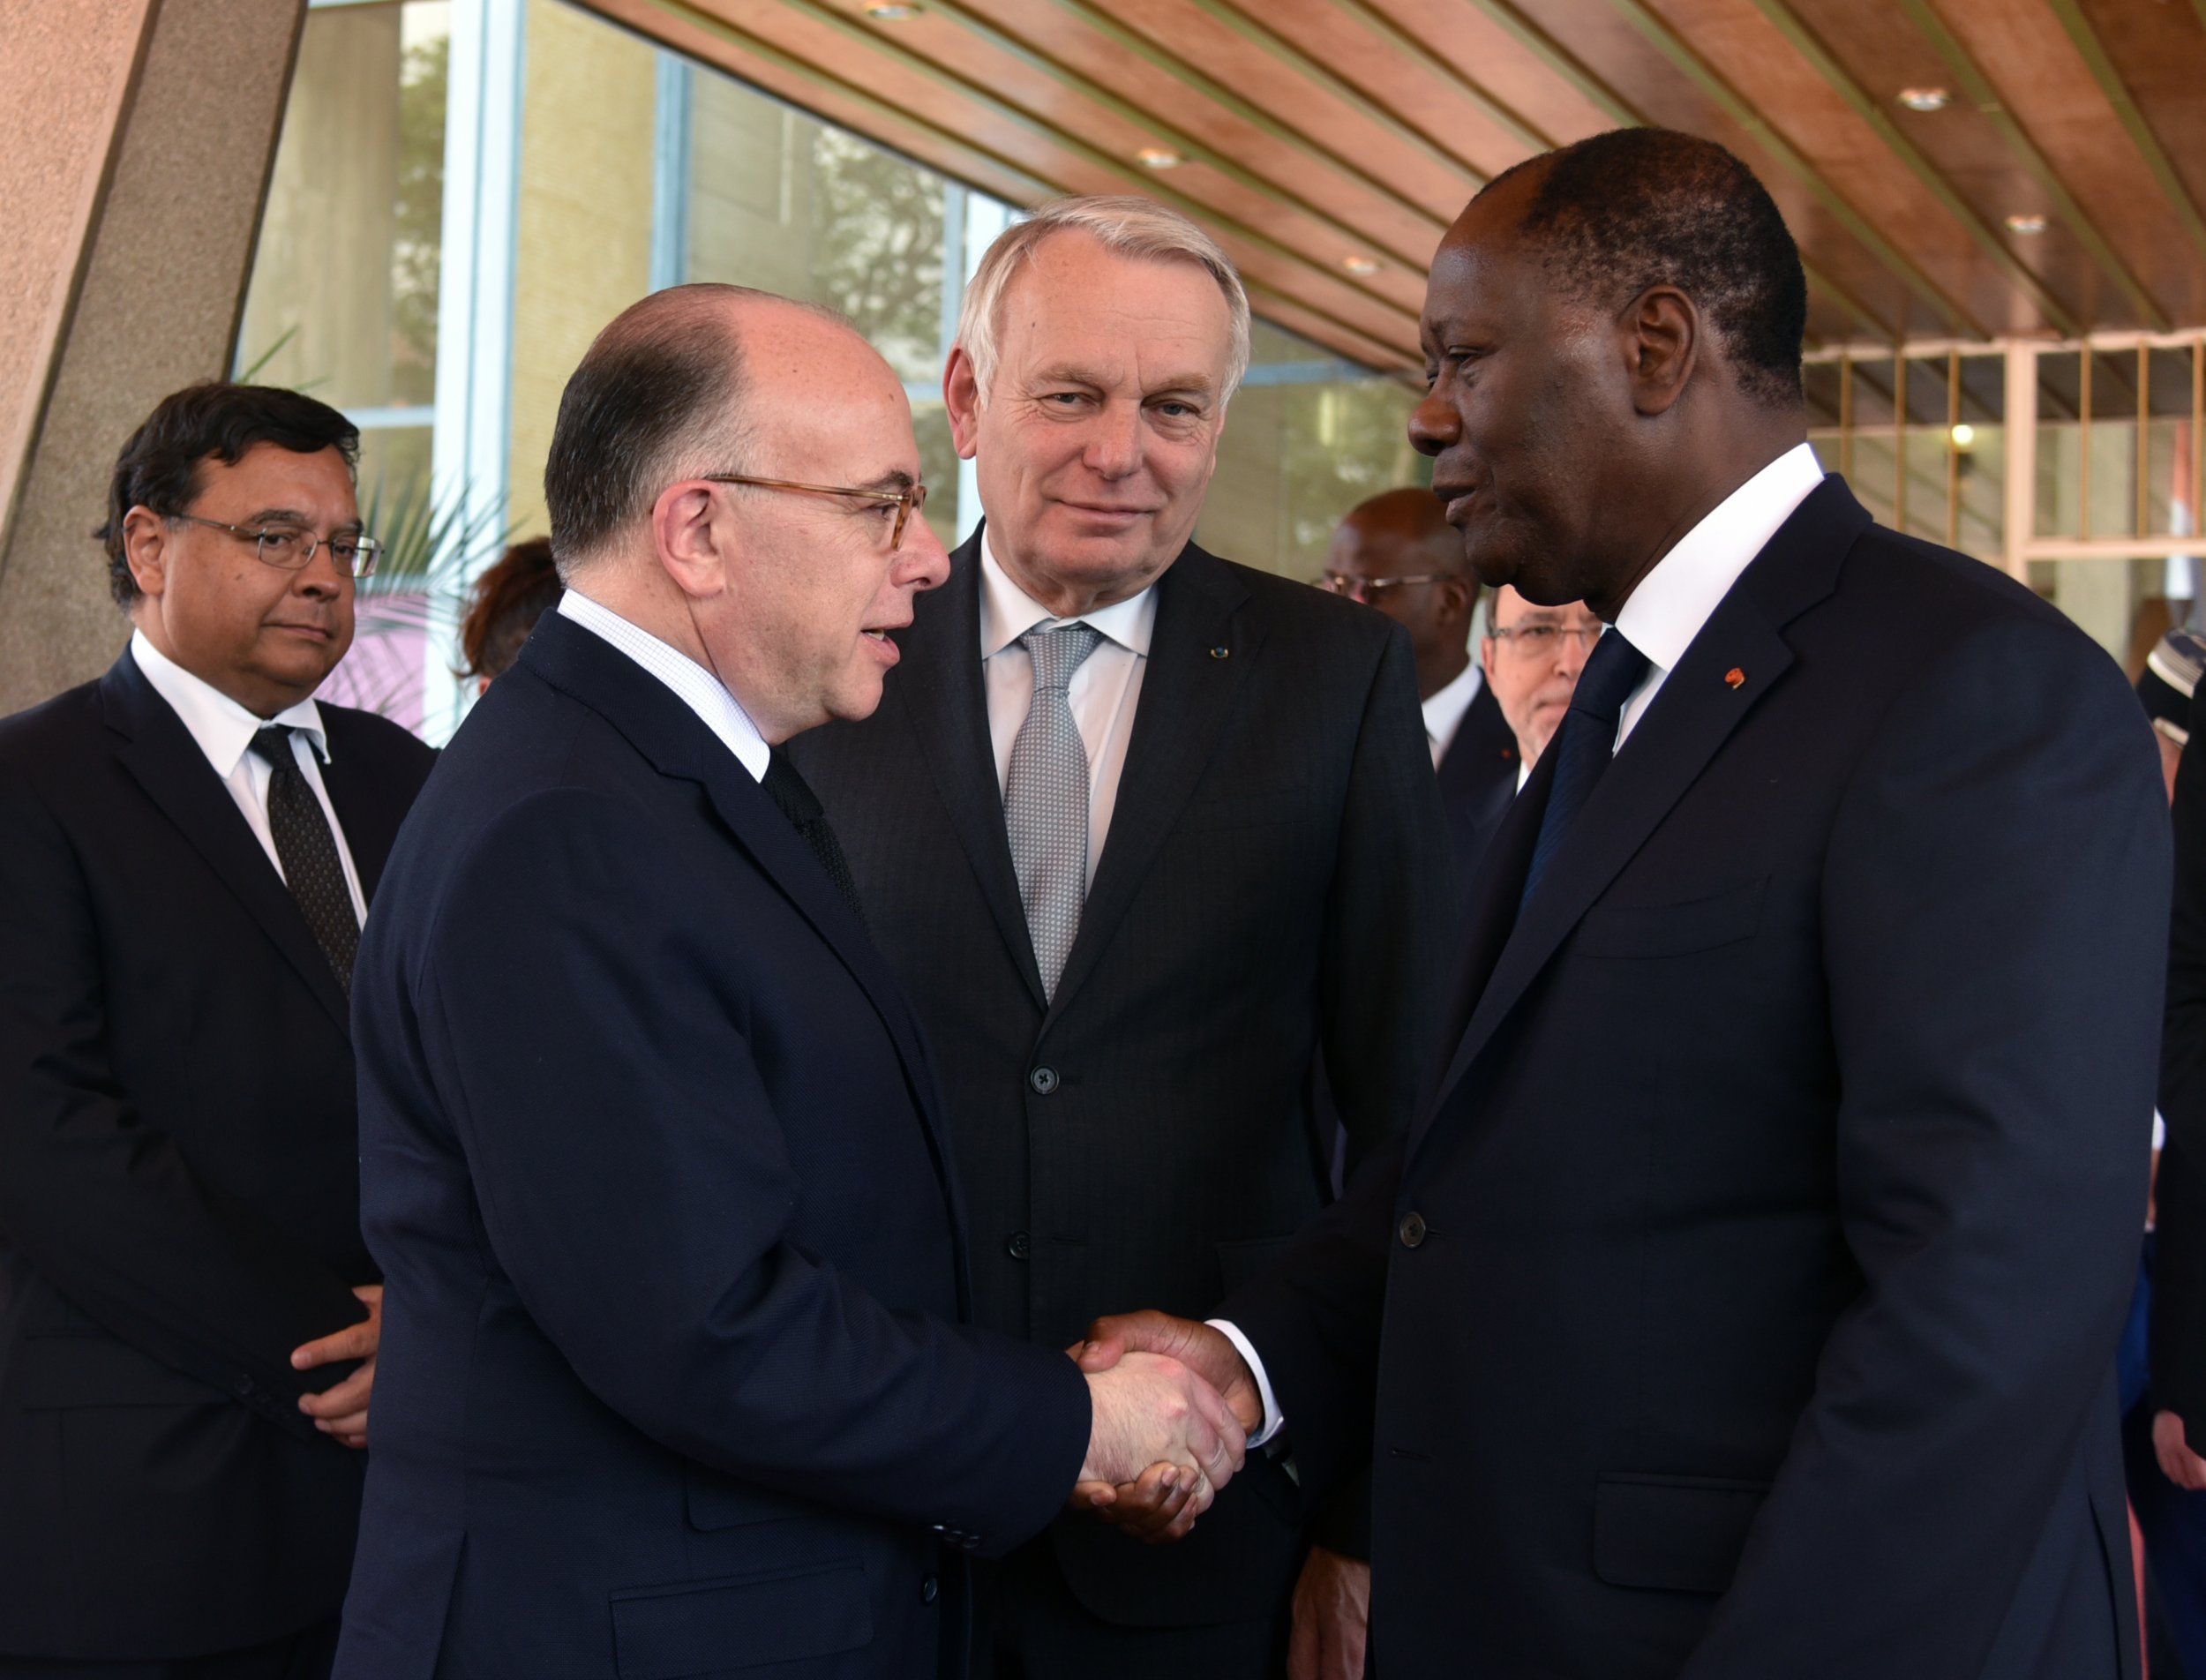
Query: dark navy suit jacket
[(1478, 779), (674, 1378), (1743, 1302)]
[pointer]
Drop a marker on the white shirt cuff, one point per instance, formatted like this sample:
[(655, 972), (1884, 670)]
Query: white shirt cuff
[(1273, 1420)]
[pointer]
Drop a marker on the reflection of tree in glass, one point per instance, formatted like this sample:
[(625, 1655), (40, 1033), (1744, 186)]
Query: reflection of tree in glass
[(418, 246), (1340, 444), (877, 253)]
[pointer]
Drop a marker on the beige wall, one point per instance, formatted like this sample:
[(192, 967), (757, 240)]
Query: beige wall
[(161, 255), (583, 239)]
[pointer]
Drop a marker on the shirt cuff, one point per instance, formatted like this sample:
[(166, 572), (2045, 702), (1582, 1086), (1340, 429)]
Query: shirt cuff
[(1273, 1420)]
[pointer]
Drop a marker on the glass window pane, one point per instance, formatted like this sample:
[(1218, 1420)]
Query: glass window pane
[(2121, 605)]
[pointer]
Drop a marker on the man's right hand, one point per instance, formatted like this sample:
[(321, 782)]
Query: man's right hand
[(2177, 1463), (1151, 1411), (1196, 1346)]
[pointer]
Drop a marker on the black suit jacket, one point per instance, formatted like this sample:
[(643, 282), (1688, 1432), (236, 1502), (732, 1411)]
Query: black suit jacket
[(1269, 885), (674, 1375), (1743, 1302), (2179, 1278), (1478, 779), (178, 1185)]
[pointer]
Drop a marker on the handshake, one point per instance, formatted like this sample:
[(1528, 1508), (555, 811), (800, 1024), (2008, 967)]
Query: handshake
[(1173, 1406)]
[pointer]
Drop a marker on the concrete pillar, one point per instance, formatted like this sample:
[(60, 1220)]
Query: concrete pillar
[(132, 202)]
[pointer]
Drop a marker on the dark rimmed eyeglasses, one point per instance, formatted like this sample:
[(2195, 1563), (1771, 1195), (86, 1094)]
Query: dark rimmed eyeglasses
[(906, 502), (289, 548), (1370, 589)]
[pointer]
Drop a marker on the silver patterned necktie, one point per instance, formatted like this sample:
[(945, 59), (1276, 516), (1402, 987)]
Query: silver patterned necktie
[(1046, 800)]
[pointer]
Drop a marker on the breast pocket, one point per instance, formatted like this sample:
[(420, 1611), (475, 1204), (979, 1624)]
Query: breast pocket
[(1643, 931)]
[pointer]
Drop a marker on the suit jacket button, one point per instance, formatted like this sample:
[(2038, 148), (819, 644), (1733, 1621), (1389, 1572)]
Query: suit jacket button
[(1019, 1245), (1043, 1079), (1412, 1230), (928, 1590)]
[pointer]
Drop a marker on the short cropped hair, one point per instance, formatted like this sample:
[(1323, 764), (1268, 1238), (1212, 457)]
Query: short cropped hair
[(158, 467), (654, 400), (1137, 228), (1636, 207)]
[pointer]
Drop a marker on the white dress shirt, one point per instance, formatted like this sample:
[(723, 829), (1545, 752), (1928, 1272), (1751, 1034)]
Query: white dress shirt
[(1683, 591), (1444, 712), (694, 685), (224, 731), (1102, 695), (1665, 614)]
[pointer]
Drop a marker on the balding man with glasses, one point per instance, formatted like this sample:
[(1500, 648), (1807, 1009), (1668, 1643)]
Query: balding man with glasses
[(189, 1319)]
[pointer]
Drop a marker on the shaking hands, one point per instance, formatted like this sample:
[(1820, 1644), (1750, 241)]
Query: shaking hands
[(1173, 1405)]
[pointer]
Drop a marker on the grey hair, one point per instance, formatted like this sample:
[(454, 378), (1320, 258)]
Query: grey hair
[(1125, 226)]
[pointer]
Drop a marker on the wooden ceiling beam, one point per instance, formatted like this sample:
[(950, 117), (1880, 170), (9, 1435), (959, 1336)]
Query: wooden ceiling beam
[(1871, 111), (1735, 105), (1276, 46), (2093, 52), (1489, 105), (1225, 99), (1355, 340), (1619, 110), (1355, 240)]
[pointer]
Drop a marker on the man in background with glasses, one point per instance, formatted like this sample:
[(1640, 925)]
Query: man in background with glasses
[(1398, 552), (1532, 655), (189, 1320)]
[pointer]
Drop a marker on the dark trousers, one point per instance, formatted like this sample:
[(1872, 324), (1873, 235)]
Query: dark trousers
[(1028, 1625), (305, 1656)]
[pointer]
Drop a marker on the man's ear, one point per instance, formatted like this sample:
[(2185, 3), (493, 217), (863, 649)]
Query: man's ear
[(691, 547), (146, 548), (1662, 331), (961, 396)]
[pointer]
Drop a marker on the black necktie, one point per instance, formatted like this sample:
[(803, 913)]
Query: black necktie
[(308, 851), (801, 805), (1584, 744)]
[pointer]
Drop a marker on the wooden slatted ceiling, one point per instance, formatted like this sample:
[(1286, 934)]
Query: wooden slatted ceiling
[(1317, 131)]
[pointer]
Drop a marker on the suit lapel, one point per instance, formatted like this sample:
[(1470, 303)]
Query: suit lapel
[(160, 755), (945, 692), (1199, 658), (1692, 716), (369, 833), (677, 743)]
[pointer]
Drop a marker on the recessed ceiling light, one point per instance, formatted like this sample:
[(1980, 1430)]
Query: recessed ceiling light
[(1925, 99), (1364, 266), (893, 11), (2025, 224), (1159, 157)]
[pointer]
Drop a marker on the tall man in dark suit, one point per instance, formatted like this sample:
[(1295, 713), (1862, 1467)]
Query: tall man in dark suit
[(187, 848), (1398, 552), (1742, 1301), (1141, 830), (679, 1376)]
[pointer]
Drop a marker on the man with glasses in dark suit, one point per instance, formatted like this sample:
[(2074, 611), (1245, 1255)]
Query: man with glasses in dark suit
[(188, 848)]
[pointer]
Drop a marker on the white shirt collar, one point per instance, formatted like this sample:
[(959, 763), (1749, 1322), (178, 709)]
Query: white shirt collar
[(1444, 712), (696, 687), (1674, 600), (222, 728), (1007, 612)]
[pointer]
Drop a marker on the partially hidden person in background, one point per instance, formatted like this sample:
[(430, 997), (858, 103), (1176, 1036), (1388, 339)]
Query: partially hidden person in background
[(1142, 831), (503, 607), (1397, 553), (679, 1372), (1743, 1298), (187, 847)]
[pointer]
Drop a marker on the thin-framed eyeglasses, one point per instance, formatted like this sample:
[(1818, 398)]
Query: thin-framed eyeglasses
[(289, 548), (1369, 589), (907, 501), (1538, 640)]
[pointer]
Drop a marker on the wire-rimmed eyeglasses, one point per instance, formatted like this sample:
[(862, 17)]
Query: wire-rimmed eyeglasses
[(1370, 589), (290, 548), (1537, 641), (907, 501)]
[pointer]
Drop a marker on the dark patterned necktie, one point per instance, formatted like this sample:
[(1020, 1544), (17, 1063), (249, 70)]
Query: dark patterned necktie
[(801, 805), (308, 851), (1583, 744)]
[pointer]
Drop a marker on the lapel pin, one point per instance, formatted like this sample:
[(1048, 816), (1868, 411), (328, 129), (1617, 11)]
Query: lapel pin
[(1735, 676), (1220, 653)]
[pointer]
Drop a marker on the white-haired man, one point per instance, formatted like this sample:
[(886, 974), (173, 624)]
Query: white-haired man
[(1144, 832)]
